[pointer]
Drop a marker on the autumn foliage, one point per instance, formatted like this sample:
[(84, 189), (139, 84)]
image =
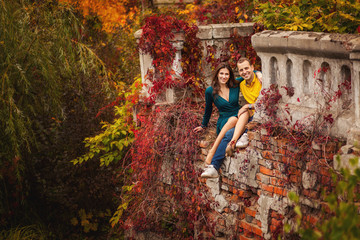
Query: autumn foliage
[(76, 66), (113, 14)]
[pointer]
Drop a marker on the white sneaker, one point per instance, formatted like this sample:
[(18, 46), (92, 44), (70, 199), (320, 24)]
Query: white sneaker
[(243, 142), (210, 172)]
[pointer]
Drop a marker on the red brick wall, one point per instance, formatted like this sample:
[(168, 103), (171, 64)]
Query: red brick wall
[(263, 205)]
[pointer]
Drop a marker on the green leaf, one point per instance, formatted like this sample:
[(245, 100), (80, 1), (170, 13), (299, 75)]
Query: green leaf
[(293, 197), (297, 210)]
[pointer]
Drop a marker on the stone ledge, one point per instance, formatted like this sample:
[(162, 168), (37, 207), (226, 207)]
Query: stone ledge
[(306, 43)]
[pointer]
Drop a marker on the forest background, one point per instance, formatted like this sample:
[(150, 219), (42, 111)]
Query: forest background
[(70, 71)]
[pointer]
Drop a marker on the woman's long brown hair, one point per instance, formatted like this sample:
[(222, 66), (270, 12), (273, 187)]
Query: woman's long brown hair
[(215, 81)]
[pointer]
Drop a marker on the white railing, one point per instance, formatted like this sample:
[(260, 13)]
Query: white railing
[(315, 65)]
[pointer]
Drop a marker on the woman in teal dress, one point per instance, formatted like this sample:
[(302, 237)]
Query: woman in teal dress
[(224, 96), (224, 93)]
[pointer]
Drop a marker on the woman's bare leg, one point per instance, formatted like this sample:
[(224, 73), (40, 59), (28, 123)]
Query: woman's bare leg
[(239, 129), (229, 124)]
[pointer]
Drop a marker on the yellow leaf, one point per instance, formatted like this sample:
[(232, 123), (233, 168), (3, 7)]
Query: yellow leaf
[(74, 221)]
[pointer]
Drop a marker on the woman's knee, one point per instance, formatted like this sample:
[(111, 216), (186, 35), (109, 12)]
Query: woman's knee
[(231, 122), (245, 116)]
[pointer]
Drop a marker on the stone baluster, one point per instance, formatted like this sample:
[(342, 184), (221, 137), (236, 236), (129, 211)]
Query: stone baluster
[(315, 64)]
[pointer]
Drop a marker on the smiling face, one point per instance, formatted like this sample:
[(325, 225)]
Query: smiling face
[(246, 70), (223, 76)]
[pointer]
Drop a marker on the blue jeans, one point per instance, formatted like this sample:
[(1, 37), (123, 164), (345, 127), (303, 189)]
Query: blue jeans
[(219, 155)]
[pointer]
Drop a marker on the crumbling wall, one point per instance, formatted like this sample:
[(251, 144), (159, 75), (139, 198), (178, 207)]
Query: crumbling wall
[(250, 196)]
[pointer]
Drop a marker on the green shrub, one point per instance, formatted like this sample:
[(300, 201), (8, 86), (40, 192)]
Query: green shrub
[(340, 16), (340, 218), (25, 233)]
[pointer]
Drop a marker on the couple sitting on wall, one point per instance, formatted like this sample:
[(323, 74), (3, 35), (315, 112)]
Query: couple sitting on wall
[(224, 93)]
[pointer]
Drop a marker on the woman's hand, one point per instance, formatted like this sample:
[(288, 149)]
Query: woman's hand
[(198, 129), (259, 76)]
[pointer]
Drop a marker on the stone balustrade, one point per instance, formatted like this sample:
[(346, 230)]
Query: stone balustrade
[(314, 64)]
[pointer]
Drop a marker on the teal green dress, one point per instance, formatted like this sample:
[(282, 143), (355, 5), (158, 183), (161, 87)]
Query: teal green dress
[(226, 108)]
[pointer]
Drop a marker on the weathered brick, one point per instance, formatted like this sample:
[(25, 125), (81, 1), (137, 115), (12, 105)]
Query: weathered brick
[(258, 223), (260, 145), (265, 139), (256, 237), (285, 193), (248, 233), (253, 143), (279, 166), (279, 174), (252, 126), (276, 222), (277, 182), (231, 182), (266, 171), (252, 228), (257, 231), (294, 178), (267, 188), (234, 198), (262, 162), (282, 151), (264, 131), (284, 159), (249, 211), (243, 194), (277, 156), (295, 171), (242, 237), (293, 162), (277, 215), (253, 135), (220, 221), (263, 178), (267, 155), (278, 191), (310, 193)]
